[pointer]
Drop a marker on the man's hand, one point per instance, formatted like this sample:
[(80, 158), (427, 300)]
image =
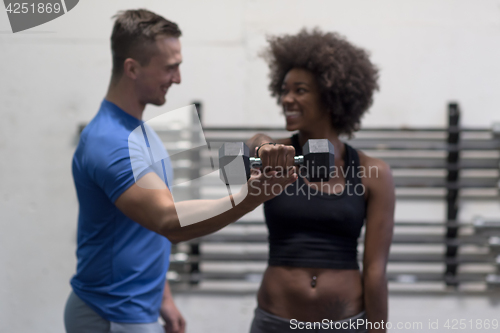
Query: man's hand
[(174, 322), (263, 186), (277, 172)]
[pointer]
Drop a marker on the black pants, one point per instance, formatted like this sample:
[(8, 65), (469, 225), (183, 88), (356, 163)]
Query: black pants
[(265, 322)]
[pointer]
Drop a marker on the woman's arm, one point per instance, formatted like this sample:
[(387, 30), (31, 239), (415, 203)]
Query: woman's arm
[(378, 238), (258, 139)]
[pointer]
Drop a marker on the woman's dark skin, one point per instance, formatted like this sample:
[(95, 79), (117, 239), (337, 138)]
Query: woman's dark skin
[(314, 294)]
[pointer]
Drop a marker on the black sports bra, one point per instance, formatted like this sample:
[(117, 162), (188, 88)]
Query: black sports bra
[(314, 229)]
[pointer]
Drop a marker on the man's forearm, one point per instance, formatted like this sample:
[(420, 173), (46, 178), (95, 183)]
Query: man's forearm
[(195, 211), (151, 204)]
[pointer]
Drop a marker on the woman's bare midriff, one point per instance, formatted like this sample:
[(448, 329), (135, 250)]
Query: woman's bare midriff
[(311, 294)]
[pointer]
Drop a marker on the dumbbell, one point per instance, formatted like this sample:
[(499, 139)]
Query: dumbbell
[(318, 159)]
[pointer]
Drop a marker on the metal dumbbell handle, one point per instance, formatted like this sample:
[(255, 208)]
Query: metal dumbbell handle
[(256, 162)]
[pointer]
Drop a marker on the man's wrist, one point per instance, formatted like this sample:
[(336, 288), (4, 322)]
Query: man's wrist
[(245, 201)]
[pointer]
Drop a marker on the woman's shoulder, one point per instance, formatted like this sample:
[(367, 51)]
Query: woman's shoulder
[(376, 170), (369, 161)]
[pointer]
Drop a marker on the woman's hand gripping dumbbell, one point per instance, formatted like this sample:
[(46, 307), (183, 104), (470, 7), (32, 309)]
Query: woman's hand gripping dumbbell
[(235, 163)]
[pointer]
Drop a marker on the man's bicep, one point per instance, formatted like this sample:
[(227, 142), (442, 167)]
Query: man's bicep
[(147, 202)]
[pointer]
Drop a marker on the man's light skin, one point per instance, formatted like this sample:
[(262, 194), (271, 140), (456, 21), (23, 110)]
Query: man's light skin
[(141, 85), (154, 209)]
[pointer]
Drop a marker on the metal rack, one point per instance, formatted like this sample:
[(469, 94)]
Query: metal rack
[(451, 165)]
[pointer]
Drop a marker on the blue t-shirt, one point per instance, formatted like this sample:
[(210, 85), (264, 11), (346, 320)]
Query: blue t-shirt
[(121, 265)]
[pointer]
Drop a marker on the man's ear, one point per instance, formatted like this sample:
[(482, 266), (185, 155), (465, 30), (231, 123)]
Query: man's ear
[(131, 68)]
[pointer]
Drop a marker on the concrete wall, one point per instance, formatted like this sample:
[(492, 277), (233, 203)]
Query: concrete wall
[(54, 76)]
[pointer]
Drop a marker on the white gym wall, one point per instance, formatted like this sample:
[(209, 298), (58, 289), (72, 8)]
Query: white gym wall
[(53, 77)]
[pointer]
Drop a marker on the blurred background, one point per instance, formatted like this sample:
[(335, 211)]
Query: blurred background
[(53, 78)]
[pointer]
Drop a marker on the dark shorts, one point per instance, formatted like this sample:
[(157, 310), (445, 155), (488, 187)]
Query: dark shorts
[(265, 322), (80, 318)]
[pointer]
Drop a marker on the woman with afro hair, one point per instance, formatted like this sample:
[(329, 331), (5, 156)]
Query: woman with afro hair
[(313, 282)]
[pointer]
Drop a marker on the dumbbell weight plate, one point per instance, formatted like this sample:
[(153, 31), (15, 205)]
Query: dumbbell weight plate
[(234, 163)]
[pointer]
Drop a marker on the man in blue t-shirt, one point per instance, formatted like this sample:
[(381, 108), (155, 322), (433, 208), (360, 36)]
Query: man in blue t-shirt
[(127, 215)]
